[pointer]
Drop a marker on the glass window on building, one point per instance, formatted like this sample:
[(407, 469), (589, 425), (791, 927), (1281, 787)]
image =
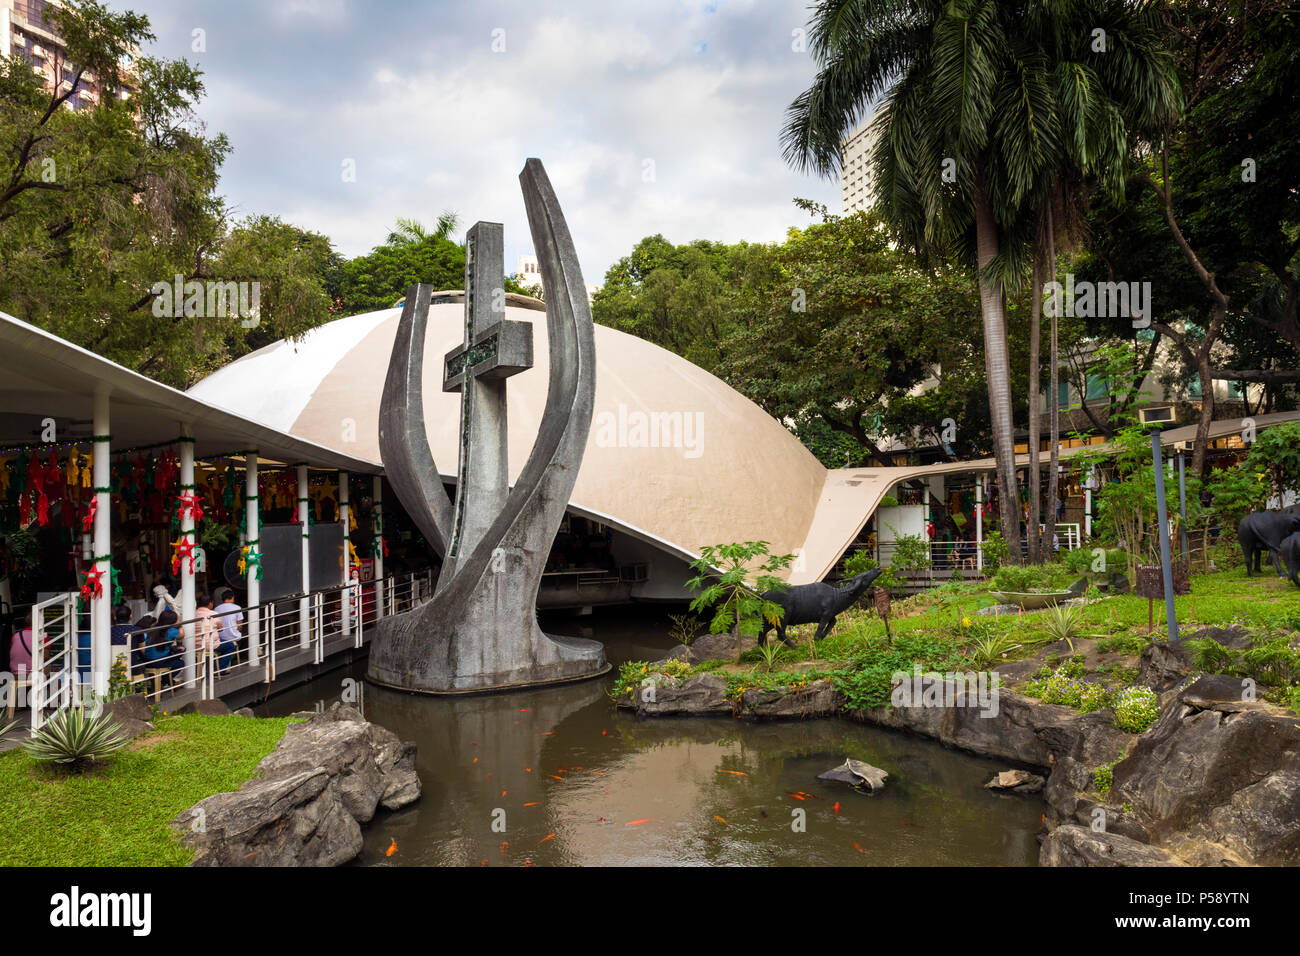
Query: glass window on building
[(1062, 394), (1096, 386)]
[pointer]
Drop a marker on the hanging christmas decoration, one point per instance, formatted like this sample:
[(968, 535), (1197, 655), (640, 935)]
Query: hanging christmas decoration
[(182, 550), (88, 520), (189, 504), (92, 587)]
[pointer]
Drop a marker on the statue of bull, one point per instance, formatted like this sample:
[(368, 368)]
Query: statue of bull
[(1265, 530), (820, 602)]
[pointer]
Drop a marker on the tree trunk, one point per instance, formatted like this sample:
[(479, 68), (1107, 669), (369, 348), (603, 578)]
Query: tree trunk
[(1054, 398), (997, 369), (1035, 475)]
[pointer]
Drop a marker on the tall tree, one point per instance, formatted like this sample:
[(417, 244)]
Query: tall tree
[(970, 133)]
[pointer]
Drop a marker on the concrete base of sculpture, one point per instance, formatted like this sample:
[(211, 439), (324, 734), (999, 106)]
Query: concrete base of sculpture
[(466, 638), (405, 655)]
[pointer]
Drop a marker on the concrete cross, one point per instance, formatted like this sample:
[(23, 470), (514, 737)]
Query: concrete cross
[(494, 349)]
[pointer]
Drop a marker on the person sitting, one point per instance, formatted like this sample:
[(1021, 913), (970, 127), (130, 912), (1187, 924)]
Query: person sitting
[(165, 647), (20, 648), (120, 632), (231, 615), (140, 640), (207, 633)]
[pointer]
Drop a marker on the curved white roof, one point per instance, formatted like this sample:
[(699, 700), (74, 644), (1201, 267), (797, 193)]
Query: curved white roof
[(723, 469)]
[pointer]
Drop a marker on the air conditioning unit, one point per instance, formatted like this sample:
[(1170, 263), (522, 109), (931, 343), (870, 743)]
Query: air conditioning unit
[(20, 40), (1156, 416), (38, 50)]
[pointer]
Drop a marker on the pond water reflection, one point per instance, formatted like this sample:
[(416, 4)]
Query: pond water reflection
[(577, 783)]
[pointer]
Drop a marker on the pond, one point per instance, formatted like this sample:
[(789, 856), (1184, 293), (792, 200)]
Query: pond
[(575, 782)]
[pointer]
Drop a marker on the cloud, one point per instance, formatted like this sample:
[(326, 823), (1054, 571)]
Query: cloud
[(660, 117)]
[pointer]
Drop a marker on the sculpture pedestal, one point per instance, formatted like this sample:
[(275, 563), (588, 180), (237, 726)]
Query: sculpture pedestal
[(476, 637)]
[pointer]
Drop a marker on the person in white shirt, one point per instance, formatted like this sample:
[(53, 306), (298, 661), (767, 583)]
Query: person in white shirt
[(231, 616)]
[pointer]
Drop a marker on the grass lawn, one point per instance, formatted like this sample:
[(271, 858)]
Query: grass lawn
[(116, 814)]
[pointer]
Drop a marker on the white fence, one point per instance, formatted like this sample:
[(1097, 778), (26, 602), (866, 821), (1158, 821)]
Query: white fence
[(283, 634)]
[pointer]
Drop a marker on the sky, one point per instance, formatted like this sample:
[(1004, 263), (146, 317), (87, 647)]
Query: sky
[(650, 117)]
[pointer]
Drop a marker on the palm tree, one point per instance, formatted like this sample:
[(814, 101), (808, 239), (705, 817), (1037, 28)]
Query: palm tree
[(410, 232), (983, 107)]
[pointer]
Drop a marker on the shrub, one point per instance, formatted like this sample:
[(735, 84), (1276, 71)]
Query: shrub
[(996, 552), (1272, 661), (72, 738), (1210, 656), (1136, 709), (1093, 697)]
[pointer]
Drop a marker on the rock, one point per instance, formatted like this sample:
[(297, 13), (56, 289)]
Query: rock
[(245, 712), (1165, 664), (711, 647), (131, 714), (702, 694), (1078, 747), (1011, 733), (857, 774), (292, 820), (818, 699), (1216, 692), (1209, 774), (133, 706), (325, 777), (343, 748), (208, 708), (1018, 781), (1079, 846)]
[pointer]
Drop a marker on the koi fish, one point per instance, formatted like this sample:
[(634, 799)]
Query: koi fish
[(599, 773), (791, 793), (524, 710), (392, 848), (858, 847), (533, 804), (545, 838), (720, 820), (637, 823), (475, 760), (553, 777), (528, 770), (549, 733), (528, 862), (504, 792), (836, 809), (603, 731), (735, 773), (505, 845)]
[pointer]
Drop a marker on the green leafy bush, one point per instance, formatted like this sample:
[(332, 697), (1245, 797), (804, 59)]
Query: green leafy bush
[(1272, 661), (1210, 656), (996, 552), (1136, 709)]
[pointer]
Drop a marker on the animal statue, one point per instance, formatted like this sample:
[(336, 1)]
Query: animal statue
[(1291, 555), (1266, 530), (820, 602)]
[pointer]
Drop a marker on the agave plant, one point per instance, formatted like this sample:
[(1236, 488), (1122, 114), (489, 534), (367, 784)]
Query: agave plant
[(72, 737), (1063, 623), (989, 650)]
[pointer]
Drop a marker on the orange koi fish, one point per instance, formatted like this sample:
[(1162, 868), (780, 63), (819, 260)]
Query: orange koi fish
[(392, 848), (545, 838)]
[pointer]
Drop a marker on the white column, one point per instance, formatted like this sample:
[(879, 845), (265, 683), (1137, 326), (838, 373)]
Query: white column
[(101, 649), (378, 547), (253, 523), (187, 534), (304, 605), (345, 596), (1087, 506), (979, 522)]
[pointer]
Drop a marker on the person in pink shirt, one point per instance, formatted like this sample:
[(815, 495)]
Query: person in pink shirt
[(20, 649), (207, 633)]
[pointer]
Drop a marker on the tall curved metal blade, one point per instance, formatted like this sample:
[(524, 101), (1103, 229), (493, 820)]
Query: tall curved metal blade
[(403, 440), (540, 495)]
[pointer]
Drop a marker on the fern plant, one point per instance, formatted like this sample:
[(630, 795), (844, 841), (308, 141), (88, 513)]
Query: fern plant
[(1210, 656), (72, 738)]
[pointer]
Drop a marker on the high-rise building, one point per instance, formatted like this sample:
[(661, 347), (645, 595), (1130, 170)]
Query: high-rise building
[(527, 274), (855, 174), (25, 30)]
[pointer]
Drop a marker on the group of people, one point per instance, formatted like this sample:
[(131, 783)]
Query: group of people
[(156, 639)]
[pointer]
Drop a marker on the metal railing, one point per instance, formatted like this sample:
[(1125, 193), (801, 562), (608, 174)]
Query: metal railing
[(291, 630)]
